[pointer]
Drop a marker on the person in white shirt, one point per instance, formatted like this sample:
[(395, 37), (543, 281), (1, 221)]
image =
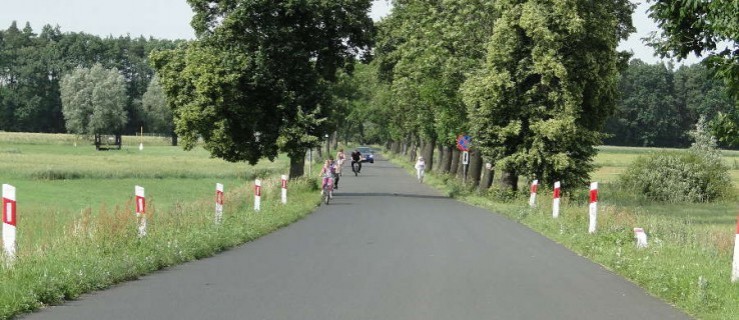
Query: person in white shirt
[(420, 168)]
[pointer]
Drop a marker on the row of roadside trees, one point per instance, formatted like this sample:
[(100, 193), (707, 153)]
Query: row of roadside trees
[(533, 83)]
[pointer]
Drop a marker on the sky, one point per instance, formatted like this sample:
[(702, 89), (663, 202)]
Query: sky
[(170, 19)]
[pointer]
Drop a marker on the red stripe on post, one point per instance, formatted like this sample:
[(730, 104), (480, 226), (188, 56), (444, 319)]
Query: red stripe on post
[(737, 225), (556, 193), (258, 191), (219, 197), (9, 212), (140, 204), (533, 188), (593, 195), (284, 184)]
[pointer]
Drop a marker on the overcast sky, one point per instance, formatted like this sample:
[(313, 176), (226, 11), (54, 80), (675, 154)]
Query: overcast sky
[(170, 19)]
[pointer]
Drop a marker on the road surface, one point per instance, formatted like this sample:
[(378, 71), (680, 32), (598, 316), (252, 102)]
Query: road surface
[(385, 248)]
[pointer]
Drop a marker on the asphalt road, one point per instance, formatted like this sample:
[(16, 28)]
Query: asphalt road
[(386, 248)]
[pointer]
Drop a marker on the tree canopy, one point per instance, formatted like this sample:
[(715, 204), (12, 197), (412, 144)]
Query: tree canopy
[(705, 28), (94, 101), (548, 85), (32, 64), (255, 81)]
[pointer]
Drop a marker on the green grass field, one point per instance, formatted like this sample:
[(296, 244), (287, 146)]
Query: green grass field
[(76, 227), (57, 181)]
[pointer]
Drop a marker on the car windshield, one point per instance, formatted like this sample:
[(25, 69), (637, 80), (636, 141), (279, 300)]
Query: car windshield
[(364, 150)]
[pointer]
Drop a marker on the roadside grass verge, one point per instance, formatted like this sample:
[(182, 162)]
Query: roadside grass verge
[(97, 252), (687, 263), (77, 231)]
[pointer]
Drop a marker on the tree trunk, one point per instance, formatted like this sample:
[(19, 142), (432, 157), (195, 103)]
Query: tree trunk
[(440, 162), (509, 180), (297, 164), (335, 136), (454, 166), (397, 147), (428, 154), (475, 169), (448, 159), (412, 153), (460, 167), (174, 139), (487, 178)]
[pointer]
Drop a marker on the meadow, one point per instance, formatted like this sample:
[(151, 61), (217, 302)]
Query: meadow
[(76, 229), (689, 258)]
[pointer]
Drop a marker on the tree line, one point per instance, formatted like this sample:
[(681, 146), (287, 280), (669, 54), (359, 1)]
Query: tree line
[(659, 105), (534, 83), (32, 66), (538, 85)]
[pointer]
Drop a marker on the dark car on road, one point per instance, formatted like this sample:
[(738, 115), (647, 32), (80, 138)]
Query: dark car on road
[(368, 155)]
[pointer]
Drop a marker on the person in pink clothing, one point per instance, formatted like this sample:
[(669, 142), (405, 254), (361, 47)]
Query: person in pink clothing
[(328, 172)]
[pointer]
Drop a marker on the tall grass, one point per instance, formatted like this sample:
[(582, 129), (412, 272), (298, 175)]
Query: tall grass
[(688, 261), (76, 223)]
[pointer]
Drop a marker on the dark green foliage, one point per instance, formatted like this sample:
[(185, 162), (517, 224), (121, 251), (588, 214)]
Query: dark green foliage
[(698, 175), (658, 106), (256, 81), (31, 66), (548, 84), (677, 177), (704, 28)]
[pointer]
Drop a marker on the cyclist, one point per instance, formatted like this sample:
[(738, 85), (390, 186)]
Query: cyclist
[(328, 172), (357, 158)]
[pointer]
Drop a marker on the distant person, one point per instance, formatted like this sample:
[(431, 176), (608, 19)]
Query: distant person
[(340, 157), (420, 168), (357, 158)]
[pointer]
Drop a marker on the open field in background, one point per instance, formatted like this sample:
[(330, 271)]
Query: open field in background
[(688, 261), (57, 181), (614, 160), (76, 225)]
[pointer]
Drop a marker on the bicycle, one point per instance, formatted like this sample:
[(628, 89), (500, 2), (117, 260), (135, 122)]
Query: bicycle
[(356, 168), (327, 192)]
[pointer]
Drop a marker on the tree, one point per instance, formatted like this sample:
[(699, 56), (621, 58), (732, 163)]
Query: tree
[(255, 81), (707, 28), (157, 114), (648, 113), (425, 51), (547, 87), (93, 101)]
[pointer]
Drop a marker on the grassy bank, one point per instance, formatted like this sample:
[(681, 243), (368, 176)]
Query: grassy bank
[(688, 261), (77, 229)]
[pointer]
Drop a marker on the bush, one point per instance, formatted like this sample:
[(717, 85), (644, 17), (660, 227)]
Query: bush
[(698, 175), (677, 177)]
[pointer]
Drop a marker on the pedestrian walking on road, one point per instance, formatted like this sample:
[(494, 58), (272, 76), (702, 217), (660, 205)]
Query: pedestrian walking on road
[(420, 168)]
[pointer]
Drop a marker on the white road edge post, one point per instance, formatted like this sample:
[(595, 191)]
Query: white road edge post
[(534, 187), (641, 238), (735, 266), (219, 203), (257, 194), (284, 189), (555, 202), (141, 209), (9, 222), (593, 206)]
